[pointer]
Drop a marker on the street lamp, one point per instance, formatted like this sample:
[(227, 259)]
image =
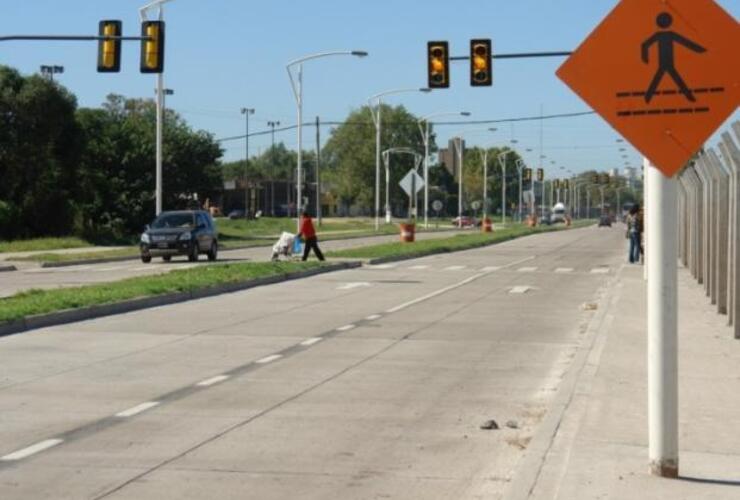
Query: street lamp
[(458, 143), (425, 137), (296, 84), (158, 4), (378, 127), (246, 112), (485, 178), (386, 159), (50, 71)]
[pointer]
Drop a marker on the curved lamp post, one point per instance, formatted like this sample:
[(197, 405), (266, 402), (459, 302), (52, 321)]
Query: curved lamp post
[(376, 114), (386, 160), (296, 83), (425, 137)]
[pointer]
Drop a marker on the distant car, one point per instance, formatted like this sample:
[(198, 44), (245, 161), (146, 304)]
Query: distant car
[(605, 221), (545, 220), (558, 213), (187, 232), (467, 221), (237, 214)]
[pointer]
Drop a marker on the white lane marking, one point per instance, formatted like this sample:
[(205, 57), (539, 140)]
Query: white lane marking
[(563, 270), (312, 341), (373, 317), (137, 409), (490, 269), (269, 359), (454, 268), (351, 286), (452, 287), (346, 328), (419, 268), (212, 381), (31, 450), (520, 290), (142, 268), (384, 266), (109, 269), (600, 270), (527, 269)]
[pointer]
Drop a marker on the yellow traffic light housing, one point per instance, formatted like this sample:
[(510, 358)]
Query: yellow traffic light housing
[(152, 48), (557, 183), (109, 51), (481, 74), (566, 184), (438, 56), (527, 174), (540, 175)]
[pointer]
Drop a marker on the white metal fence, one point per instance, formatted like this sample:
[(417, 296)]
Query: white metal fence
[(709, 213)]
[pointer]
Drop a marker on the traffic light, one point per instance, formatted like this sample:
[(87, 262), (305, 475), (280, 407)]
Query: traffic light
[(566, 184), (481, 74), (556, 182), (595, 178), (109, 51), (152, 49), (605, 179), (438, 55), (527, 174), (540, 175)]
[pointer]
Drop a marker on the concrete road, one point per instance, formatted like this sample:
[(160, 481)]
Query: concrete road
[(30, 275), (368, 383)]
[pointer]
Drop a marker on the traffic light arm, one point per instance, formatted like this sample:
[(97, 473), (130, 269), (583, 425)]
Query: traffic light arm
[(521, 55), (72, 38)]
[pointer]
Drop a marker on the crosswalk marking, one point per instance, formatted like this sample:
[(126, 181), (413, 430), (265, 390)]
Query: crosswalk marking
[(518, 290), (527, 269), (564, 270)]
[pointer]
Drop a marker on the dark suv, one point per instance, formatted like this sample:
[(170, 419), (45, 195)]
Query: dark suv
[(187, 232)]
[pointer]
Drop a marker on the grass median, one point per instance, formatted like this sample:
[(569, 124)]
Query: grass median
[(41, 244), (452, 244), (35, 302)]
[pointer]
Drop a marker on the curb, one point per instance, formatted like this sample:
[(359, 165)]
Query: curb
[(99, 311), (528, 471), (7, 269)]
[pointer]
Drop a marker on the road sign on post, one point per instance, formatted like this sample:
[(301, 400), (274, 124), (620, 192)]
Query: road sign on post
[(663, 74), (412, 183)]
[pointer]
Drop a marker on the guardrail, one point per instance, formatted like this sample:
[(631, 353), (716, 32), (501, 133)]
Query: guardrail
[(709, 214)]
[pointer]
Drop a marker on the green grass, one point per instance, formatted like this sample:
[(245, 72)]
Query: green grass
[(452, 244), (34, 302), (40, 244)]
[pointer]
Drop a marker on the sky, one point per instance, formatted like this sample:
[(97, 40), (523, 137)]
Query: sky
[(223, 55)]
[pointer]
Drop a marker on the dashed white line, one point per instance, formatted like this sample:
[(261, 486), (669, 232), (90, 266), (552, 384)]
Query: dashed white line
[(312, 341), (418, 268), (490, 269), (520, 290), (600, 270), (527, 269), (383, 266), (454, 268), (351, 286), (142, 268), (450, 288), (137, 409), (373, 317), (269, 359), (564, 270), (346, 328), (31, 450), (109, 269), (212, 381)]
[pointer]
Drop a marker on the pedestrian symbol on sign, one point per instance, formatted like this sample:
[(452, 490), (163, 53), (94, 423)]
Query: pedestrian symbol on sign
[(666, 40)]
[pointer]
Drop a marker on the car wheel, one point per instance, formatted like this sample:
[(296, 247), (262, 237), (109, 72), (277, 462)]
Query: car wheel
[(146, 259), (213, 252), (193, 255), (167, 258)]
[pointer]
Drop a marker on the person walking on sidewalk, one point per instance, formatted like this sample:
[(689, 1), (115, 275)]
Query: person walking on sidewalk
[(634, 233), (308, 234)]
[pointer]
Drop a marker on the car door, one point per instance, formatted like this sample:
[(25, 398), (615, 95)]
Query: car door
[(203, 233)]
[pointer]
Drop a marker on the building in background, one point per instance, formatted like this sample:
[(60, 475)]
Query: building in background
[(448, 157)]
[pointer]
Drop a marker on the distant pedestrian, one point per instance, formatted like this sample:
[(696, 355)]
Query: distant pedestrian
[(634, 233), (308, 234)]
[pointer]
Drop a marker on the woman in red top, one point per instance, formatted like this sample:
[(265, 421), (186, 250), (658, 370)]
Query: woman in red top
[(308, 234)]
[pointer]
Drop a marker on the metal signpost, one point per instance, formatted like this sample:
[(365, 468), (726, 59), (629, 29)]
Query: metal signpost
[(667, 102)]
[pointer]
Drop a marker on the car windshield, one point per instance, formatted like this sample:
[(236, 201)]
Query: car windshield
[(174, 221)]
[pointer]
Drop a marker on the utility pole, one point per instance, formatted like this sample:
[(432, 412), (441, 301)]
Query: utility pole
[(272, 125), (246, 112), (318, 171)]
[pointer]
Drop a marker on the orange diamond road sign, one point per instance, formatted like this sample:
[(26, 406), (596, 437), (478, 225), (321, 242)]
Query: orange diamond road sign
[(664, 74)]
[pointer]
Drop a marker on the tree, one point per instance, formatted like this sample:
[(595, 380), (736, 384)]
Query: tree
[(117, 169), (39, 148), (349, 155)]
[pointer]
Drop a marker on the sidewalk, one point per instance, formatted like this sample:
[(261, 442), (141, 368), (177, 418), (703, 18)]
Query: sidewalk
[(598, 449)]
